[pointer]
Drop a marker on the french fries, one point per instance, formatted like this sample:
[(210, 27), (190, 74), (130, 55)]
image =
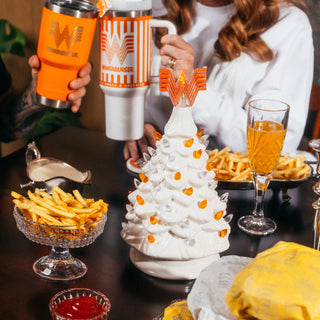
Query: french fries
[(60, 208), (234, 166)]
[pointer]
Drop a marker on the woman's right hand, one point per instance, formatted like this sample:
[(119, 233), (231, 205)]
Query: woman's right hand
[(135, 148), (173, 46)]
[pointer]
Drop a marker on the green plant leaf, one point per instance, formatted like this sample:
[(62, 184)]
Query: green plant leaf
[(53, 120), (12, 40)]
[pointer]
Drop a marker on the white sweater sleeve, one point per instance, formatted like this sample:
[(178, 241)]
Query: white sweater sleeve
[(220, 110)]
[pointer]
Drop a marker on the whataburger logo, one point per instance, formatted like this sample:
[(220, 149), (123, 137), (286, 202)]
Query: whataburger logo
[(65, 36), (113, 48)]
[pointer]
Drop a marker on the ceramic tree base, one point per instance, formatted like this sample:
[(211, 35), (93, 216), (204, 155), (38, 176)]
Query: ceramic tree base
[(170, 269)]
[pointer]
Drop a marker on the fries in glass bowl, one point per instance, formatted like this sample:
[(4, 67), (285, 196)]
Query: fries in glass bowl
[(62, 221)]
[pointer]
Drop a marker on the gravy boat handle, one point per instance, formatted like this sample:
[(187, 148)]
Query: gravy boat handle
[(32, 152)]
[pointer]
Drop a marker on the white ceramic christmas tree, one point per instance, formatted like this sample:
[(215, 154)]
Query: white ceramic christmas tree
[(177, 222)]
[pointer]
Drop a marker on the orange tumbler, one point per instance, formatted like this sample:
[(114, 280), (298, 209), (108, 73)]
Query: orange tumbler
[(64, 44)]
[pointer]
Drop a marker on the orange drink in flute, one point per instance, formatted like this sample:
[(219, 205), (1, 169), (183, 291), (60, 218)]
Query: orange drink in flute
[(266, 130), (264, 144)]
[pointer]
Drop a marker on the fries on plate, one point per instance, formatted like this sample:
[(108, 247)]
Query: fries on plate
[(234, 166)]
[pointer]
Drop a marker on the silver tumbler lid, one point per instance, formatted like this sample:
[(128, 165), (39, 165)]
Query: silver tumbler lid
[(74, 8), (128, 5)]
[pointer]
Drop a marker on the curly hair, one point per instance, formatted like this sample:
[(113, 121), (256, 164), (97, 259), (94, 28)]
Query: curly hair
[(180, 13), (243, 31)]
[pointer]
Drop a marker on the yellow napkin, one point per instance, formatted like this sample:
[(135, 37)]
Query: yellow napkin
[(280, 283), (177, 311)]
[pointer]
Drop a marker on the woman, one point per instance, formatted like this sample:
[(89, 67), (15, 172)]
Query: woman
[(251, 48)]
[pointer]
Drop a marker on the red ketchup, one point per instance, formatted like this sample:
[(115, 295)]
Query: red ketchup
[(79, 308)]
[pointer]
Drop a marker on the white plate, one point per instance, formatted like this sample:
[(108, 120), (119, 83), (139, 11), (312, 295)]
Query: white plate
[(206, 299), (132, 166)]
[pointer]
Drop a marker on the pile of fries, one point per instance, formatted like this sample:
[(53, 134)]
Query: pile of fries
[(234, 166), (60, 208)]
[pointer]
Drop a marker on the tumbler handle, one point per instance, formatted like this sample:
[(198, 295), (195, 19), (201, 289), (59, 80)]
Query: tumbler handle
[(154, 23)]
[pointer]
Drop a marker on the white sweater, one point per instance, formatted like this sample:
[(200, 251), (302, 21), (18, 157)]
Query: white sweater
[(221, 109)]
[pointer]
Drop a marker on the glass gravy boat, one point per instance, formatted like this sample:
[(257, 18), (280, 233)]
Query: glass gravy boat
[(46, 172)]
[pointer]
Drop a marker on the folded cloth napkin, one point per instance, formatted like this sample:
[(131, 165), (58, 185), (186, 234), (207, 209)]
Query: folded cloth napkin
[(206, 298), (280, 283)]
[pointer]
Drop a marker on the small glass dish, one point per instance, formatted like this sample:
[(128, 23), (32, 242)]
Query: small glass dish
[(59, 264), (78, 293)]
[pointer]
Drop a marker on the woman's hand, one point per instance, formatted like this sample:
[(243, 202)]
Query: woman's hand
[(173, 46), (135, 148), (78, 84)]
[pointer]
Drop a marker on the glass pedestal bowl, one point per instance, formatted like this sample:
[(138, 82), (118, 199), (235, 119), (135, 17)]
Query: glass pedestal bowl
[(71, 299), (59, 264)]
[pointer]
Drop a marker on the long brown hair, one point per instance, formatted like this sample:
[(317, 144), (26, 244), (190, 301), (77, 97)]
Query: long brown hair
[(181, 13), (242, 32)]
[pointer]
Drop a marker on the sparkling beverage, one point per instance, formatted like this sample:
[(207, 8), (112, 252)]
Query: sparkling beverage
[(264, 143)]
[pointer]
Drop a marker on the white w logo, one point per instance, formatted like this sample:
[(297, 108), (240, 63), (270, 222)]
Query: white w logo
[(114, 48)]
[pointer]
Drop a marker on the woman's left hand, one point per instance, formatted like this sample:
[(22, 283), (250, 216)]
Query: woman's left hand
[(78, 84), (174, 47)]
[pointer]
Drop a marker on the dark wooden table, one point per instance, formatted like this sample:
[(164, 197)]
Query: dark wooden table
[(133, 295)]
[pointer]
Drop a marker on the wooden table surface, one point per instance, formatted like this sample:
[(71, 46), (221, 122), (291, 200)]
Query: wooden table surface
[(133, 294)]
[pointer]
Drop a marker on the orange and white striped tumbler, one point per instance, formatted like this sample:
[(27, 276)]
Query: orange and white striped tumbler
[(125, 53)]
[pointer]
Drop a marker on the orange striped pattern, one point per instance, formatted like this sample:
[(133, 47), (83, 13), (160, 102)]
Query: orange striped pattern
[(125, 47)]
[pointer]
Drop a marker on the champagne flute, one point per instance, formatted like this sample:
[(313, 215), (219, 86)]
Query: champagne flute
[(266, 130)]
